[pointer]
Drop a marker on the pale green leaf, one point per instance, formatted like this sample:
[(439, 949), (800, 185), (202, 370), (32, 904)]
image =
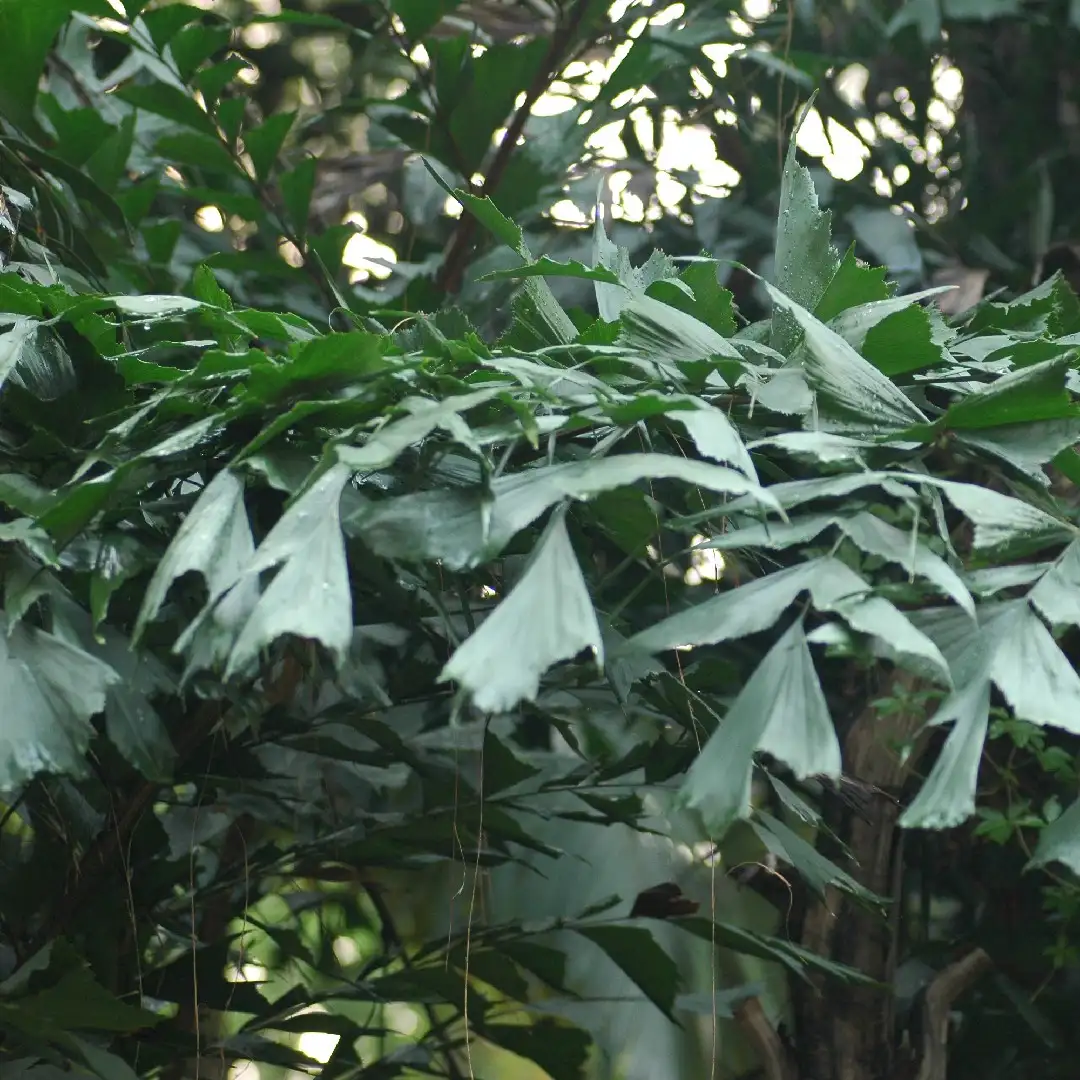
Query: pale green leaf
[(547, 617), (424, 416), (947, 797), (715, 437), (804, 739), (612, 298), (214, 540), (730, 615), (522, 497), (1033, 674), (796, 492), (15, 343), (837, 588), (784, 391), (818, 871), (999, 519), (833, 587), (151, 306), (879, 538), (446, 525), (721, 1004), (846, 383), (1027, 447), (463, 528), (784, 684), (1060, 841), (805, 259), (823, 446), (894, 636), (1057, 594), (775, 537), (50, 690), (1015, 651), (657, 330), (310, 596), (889, 238), (994, 579)]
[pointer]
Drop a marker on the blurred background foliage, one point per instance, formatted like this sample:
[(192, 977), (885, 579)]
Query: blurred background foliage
[(946, 135)]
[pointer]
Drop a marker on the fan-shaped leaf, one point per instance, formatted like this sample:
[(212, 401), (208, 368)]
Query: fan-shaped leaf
[(547, 617)]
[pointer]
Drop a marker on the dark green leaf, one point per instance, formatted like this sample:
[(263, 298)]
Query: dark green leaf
[(264, 142), (636, 953)]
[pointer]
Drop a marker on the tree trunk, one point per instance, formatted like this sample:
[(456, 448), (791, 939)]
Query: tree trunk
[(849, 1032)]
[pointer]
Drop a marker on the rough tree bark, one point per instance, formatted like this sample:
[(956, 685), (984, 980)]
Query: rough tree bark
[(848, 1032)]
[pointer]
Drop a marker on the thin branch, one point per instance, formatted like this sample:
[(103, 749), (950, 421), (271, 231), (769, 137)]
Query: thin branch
[(438, 108), (776, 1062), (947, 986), (85, 878), (392, 942), (453, 267)]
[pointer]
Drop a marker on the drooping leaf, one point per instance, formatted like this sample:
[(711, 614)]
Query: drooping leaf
[(213, 540), (635, 951), (819, 445), (51, 689), (1000, 519), (1029, 668), (715, 437), (561, 1051), (522, 497), (792, 493), (1057, 593), (547, 617), (310, 596), (1027, 447), (833, 587), (947, 796), (782, 709), (818, 871), (869, 532), (804, 739), (1060, 841), (878, 537)]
